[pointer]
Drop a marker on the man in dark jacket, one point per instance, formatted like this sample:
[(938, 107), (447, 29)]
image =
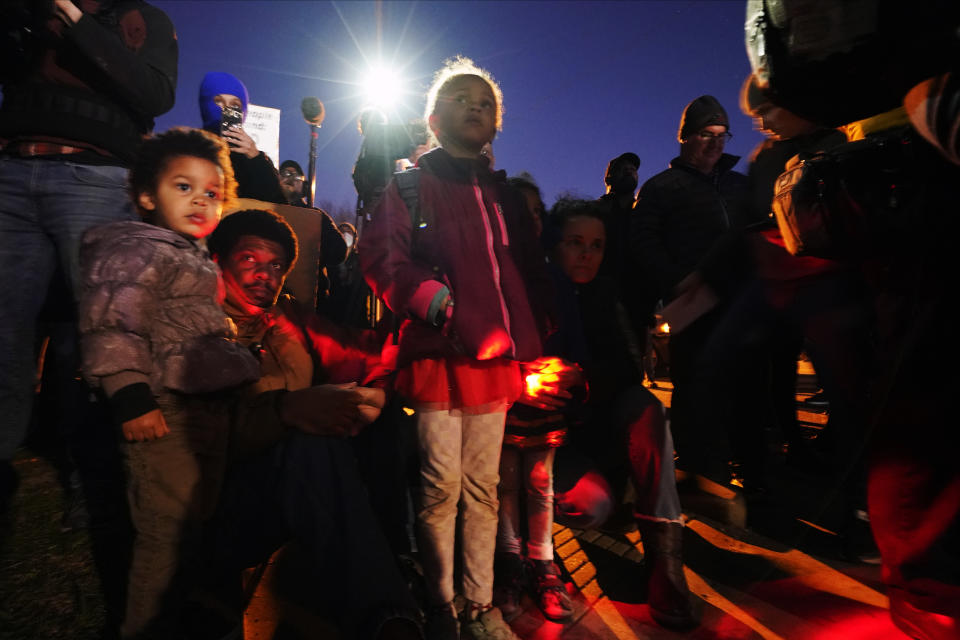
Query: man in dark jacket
[(72, 116), (680, 218), (291, 183), (616, 210)]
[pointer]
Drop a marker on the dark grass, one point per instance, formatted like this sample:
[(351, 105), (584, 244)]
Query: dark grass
[(48, 584)]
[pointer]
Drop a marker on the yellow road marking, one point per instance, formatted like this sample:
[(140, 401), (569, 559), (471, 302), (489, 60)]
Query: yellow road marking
[(703, 590), (809, 571)]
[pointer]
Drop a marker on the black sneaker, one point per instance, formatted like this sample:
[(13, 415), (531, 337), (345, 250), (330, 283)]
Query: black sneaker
[(441, 623), (552, 596)]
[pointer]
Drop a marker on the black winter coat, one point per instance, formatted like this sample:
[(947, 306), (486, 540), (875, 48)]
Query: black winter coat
[(680, 216)]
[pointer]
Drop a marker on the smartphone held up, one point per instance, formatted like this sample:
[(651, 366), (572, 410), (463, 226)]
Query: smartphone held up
[(231, 118)]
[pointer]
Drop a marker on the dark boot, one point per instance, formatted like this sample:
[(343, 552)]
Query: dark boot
[(667, 592), (507, 584)]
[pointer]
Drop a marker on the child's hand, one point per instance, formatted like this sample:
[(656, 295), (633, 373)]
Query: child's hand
[(546, 397), (547, 382), (149, 426), (570, 375)]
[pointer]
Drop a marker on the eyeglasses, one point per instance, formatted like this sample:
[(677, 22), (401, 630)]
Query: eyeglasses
[(709, 135), (289, 173)]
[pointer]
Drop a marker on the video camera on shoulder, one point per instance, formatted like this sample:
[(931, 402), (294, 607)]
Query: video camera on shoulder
[(383, 144), (837, 62)]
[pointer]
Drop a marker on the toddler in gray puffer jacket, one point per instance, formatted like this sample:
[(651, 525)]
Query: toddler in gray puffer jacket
[(157, 342)]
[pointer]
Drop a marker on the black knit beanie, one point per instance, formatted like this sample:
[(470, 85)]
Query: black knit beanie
[(702, 112)]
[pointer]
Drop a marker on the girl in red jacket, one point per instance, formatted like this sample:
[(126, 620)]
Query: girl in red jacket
[(460, 271)]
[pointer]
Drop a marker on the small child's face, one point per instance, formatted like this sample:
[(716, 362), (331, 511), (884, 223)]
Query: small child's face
[(188, 197), (465, 117)]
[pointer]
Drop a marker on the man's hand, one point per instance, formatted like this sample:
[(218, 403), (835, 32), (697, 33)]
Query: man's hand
[(694, 298), (331, 409), (372, 404), (242, 143), (149, 426), (67, 11)]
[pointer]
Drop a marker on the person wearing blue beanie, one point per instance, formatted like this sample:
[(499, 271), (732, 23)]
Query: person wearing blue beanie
[(216, 86), (256, 176)]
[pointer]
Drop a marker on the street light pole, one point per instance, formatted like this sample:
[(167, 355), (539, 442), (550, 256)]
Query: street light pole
[(312, 167), (313, 113)]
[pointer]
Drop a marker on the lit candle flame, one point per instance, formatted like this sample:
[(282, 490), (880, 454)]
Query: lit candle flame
[(545, 373)]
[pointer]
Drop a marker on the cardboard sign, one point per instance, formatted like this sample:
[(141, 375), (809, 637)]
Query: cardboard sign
[(308, 225), (263, 125)]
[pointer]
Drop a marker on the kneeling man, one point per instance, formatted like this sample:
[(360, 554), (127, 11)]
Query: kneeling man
[(293, 474)]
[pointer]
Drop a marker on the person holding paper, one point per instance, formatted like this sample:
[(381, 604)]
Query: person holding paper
[(681, 219)]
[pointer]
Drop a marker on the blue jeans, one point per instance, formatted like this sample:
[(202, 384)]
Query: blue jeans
[(45, 208)]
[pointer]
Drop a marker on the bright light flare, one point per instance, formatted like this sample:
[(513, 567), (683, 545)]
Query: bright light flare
[(546, 375), (382, 87)]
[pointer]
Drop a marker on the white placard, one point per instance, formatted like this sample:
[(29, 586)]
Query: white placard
[(263, 125)]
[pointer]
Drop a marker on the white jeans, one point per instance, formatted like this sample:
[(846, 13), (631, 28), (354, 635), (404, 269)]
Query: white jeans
[(459, 462), (531, 470)]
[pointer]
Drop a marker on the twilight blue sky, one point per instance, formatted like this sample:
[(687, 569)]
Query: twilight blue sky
[(582, 81)]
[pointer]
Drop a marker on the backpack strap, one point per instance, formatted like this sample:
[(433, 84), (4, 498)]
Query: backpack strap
[(408, 182)]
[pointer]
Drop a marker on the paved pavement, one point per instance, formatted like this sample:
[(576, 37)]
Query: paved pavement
[(772, 569)]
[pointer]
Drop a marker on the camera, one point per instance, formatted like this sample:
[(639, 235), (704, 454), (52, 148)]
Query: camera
[(383, 145), (837, 62), (231, 117)]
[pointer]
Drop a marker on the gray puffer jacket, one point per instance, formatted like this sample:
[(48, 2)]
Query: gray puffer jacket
[(150, 312)]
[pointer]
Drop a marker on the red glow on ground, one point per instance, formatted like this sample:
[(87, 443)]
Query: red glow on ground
[(863, 625)]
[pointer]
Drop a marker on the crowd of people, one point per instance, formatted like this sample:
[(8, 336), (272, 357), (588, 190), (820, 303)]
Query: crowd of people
[(504, 387)]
